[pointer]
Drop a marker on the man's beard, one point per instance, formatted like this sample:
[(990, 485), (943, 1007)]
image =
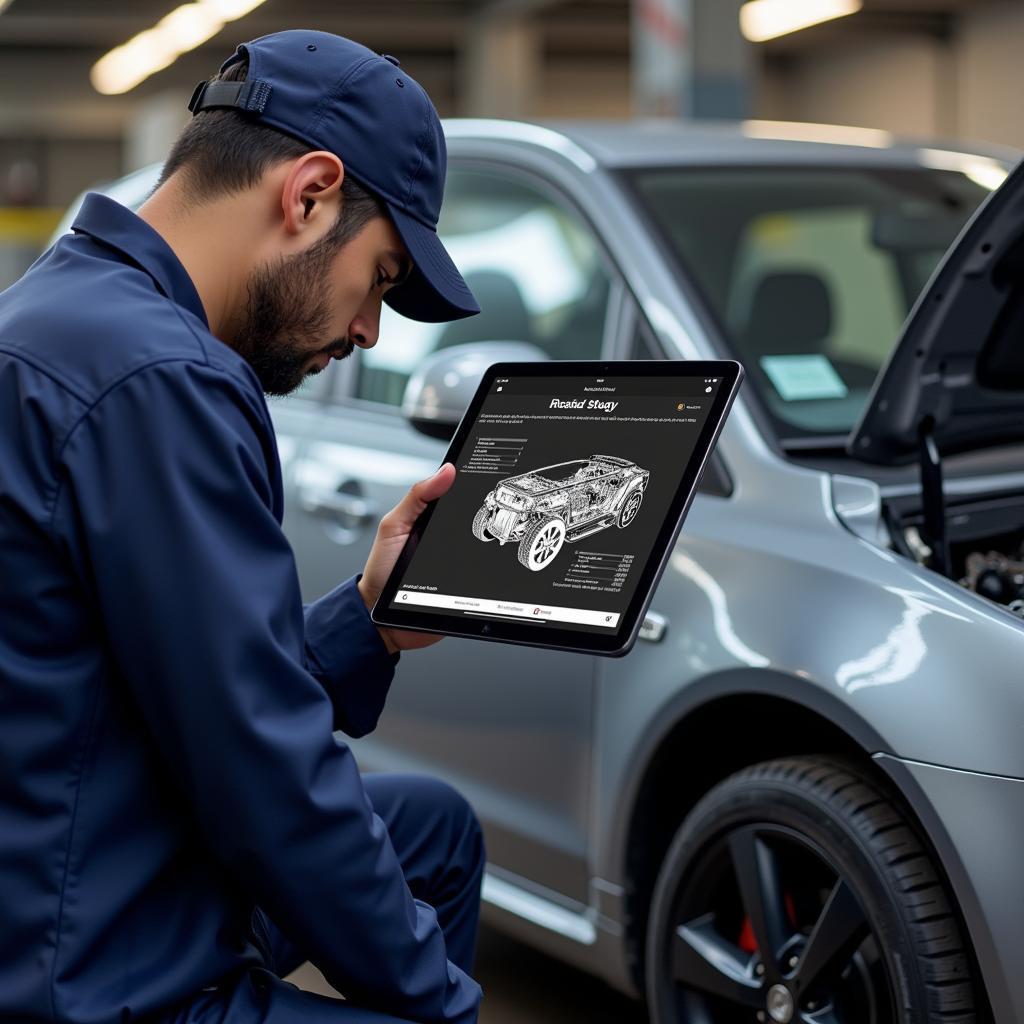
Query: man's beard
[(287, 312)]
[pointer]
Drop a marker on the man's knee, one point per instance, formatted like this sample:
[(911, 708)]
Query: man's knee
[(454, 815), (407, 803)]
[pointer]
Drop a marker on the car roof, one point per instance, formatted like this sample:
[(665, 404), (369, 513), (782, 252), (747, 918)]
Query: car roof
[(661, 142), (669, 142)]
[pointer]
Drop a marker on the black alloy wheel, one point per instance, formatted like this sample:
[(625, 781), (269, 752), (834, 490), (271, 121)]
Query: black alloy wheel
[(798, 891)]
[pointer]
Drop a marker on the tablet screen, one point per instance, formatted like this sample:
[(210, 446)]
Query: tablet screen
[(563, 486)]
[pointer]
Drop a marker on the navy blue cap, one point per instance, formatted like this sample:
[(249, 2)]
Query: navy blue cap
[(339, 96)]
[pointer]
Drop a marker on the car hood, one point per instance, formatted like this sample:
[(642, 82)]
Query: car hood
[(957, 371)]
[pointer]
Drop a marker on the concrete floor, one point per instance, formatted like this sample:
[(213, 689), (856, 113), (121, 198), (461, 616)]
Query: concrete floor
[(524, 987)]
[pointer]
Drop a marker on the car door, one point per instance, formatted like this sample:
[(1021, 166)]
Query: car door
[(510, 726)]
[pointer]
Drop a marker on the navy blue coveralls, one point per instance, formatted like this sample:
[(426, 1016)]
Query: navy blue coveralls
[(167, 706)]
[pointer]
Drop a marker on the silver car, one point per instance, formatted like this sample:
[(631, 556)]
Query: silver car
[(802, 797)]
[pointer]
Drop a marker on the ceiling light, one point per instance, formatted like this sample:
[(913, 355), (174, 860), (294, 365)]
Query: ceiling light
[(127, 65), (189, 26), (3, 4), (184, 29), (229, 10), (767, 19)]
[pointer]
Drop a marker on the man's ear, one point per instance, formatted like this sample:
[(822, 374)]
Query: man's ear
[(311, 194)]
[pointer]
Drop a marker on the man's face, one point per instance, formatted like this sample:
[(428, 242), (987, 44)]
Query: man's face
[(306, 309)]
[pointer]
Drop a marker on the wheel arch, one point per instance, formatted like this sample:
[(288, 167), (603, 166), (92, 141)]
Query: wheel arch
[(763, 719)]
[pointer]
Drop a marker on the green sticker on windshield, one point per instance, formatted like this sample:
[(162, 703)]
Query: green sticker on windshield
[(798, 378)]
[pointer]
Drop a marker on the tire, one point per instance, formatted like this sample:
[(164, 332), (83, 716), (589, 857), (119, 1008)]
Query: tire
[(541, 543), (630, 507), (479, 522), (769, 855)]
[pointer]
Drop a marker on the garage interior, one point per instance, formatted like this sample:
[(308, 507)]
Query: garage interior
[(925, 68)]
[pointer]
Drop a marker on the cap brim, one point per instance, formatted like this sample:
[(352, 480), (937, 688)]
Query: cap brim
[(434, 292)]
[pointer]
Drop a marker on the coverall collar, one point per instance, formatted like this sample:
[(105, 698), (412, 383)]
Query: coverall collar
[(118, 228)]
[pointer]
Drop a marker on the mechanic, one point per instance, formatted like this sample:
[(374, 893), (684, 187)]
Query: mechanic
[(179, 825)]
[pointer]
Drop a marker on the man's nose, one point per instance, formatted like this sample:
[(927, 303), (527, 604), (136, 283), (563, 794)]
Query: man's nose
[(365, 328)]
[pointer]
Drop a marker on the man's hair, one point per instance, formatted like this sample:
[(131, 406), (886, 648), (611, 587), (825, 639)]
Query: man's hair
[(221, 151)]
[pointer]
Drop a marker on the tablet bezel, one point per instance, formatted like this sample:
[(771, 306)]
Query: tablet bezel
[(547, 634)]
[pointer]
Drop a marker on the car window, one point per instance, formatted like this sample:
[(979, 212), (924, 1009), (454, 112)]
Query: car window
[(810, 272), (833, 246), (534, 267)]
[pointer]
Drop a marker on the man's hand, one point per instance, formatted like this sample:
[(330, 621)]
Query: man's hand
[(392, 534)]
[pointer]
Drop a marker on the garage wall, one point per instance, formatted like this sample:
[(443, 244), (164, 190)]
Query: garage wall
[(964, 85), (892, 84), (991, 75), (584, 88)]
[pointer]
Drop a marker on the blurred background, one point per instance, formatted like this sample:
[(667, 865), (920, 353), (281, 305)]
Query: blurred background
[(90, 91)]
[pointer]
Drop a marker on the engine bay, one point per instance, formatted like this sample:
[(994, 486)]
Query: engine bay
[(986, 543)]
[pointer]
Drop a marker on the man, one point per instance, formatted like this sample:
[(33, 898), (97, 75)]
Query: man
[(179, 827)]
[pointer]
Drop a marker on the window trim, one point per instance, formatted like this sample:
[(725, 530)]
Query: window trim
[(717, 481)]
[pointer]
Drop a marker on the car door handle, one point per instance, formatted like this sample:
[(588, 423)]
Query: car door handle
[(653, 627), (337, 504)]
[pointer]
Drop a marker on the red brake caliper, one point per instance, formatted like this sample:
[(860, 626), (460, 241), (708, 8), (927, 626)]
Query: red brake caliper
[(747, 942)]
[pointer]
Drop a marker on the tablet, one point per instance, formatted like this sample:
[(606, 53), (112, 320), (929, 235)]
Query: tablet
[(573, 480)]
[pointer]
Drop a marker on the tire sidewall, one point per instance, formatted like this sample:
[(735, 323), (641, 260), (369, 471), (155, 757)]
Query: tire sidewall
[(737, 803), (479, 520)]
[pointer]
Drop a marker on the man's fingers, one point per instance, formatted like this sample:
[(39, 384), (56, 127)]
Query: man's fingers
[(409, 508), (436, 485)]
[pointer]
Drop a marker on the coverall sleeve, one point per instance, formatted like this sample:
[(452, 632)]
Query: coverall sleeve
[(346, 654), (167, 487)]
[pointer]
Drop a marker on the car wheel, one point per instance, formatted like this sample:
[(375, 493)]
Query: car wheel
[(629, 509), (541, 543), (479, 522), (797, 891)]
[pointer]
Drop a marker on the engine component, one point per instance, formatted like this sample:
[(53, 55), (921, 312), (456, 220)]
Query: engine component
[(995, 576)]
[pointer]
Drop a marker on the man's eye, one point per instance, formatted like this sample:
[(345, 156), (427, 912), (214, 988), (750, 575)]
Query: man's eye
[(382, 278)]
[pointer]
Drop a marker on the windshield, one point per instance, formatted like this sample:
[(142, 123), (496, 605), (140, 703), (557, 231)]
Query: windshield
[(810, 272)]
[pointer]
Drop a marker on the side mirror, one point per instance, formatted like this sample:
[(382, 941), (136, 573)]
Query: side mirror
[(438, 393)]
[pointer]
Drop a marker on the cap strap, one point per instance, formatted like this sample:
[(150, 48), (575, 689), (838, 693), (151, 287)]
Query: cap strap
[(250, 96)]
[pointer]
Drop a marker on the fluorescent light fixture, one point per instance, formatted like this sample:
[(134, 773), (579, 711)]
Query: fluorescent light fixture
[(3, 4), (767, 19), (834, 134), (982, 170), (185, 28), (231, 10)]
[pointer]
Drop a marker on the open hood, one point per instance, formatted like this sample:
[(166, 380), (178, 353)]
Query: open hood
[(955, 380)]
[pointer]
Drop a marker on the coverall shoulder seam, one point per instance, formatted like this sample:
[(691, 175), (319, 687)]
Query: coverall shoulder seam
[(47, 371), (125, 378)]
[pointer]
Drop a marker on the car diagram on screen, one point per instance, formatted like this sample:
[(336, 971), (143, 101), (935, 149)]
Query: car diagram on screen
[(545, 508)]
